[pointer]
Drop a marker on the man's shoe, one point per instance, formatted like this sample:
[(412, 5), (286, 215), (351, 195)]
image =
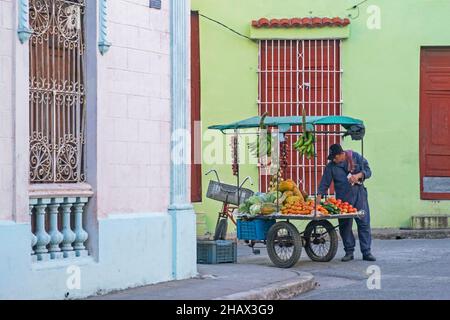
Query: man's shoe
[(369, 257), (347, 257)]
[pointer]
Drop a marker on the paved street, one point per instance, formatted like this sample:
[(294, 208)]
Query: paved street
[(410, 269)]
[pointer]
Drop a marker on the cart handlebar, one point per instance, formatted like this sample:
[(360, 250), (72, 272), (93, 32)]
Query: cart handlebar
[(247, 178), (215, 171)]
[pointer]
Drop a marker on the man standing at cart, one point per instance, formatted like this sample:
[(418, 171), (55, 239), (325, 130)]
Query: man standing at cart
[(348, 170)]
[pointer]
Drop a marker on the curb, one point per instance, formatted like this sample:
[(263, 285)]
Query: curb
[(398, 234), (278, 291)]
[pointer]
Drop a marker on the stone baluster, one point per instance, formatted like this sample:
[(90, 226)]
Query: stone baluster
[(68, 235), (81, 234), (33, 202), (56, 237), (43, 238)]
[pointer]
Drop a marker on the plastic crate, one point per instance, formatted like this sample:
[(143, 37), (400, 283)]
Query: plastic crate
[(253, 229), (214, 252)]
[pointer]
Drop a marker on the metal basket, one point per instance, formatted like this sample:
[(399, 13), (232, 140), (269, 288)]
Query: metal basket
[(227, 193)]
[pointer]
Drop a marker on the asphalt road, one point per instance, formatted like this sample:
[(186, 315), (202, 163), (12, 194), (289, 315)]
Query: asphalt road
[(409, 269)]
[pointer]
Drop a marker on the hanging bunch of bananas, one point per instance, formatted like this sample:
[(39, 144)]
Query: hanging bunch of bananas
[(263, 145), (260, 147), (305, 143)]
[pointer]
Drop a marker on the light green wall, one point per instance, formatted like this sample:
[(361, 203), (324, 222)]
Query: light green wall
[(380, 86)]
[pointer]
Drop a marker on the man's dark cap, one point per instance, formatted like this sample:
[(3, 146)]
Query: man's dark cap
[(335, 149)]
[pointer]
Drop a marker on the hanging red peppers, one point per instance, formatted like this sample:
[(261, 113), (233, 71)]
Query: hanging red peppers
[(234, 154), (283, 158)]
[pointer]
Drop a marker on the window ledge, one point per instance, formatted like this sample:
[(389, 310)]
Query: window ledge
[(49, 190), (62, 263)]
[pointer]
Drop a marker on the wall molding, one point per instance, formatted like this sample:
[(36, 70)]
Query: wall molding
[(103, 43), (23, 29), (300, 33)]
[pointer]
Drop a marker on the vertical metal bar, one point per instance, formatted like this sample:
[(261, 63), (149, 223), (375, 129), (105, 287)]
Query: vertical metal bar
[(321, 112), (278, 113), (78, 98), (315, 174), (334, 83), (340, 80), (42, 76), (316, 99), (297, 105), (285, 78), (272, 103), (266, 108), (291, 100), (303, 107), (259, 77), (309, 108), (47, 78), (54, 135), (328, 95)]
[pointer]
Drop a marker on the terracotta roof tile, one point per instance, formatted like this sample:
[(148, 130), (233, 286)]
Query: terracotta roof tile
[(306, 22)]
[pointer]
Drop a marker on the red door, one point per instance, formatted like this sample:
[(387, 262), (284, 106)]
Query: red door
[(435, 123), (196, 167)]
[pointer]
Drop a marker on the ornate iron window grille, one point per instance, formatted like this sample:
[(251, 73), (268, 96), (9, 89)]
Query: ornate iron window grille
[(57, 93)]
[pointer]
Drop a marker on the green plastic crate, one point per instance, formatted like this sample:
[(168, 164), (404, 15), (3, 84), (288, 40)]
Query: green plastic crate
[(214, 252)]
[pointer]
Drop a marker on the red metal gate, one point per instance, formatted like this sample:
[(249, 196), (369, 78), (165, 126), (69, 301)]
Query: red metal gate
[(297, 74)]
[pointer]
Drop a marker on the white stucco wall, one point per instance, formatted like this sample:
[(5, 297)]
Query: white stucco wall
[(6, 110), (130, 230), (134, 110)]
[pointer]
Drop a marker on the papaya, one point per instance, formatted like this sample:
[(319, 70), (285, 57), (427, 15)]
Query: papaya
[(293, 199), (268, 208), (288, 194), (286, 186)]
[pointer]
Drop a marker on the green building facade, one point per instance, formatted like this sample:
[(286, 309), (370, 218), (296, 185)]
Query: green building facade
[(381, 62)]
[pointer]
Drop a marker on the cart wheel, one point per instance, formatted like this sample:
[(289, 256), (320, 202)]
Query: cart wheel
[(284, 244), (221, 229), (321, 241)]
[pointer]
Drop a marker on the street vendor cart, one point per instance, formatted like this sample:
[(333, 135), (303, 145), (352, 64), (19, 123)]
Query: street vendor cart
[(269, 218)]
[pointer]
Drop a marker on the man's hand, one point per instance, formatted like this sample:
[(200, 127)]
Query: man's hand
[(355, 178)]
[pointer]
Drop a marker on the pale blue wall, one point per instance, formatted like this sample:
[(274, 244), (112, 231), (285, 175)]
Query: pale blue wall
[(135, 250)]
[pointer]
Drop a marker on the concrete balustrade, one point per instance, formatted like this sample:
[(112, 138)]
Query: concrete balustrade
[(58, 228)]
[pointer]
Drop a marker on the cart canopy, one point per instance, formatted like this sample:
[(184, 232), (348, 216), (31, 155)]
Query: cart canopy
[(284, 123)]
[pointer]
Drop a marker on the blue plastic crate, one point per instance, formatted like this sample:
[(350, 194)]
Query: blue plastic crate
[(253, 229), (214, 252)]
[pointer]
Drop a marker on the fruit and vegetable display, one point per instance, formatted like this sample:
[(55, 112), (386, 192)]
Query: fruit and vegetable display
[(260, 203), (337, 206), (286, 197)]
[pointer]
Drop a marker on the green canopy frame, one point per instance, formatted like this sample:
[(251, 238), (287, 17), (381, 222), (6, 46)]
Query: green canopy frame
[(285, 123)]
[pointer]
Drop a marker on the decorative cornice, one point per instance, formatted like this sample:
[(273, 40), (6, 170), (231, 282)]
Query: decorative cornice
[(103, 43), (23, 29)]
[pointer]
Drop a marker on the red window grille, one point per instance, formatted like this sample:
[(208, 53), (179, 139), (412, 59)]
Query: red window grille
[(297, 74)]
